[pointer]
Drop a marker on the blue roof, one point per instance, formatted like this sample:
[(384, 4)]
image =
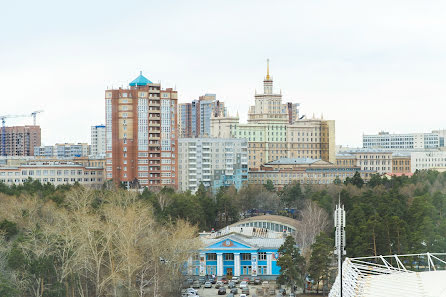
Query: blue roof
[(140, 81)]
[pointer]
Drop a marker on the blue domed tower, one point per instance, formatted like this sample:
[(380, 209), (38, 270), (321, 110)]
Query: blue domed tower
[(141, 80)]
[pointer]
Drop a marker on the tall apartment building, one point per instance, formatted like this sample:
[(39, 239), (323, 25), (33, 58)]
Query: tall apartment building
[(275, 130), (215, 162), (63, 150), (19, 140), (194, 119), (409, 141), (98, 133), (142, 135)]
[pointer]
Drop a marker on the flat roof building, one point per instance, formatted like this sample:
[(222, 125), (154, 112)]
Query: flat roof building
[(304, 171), (56, 173)]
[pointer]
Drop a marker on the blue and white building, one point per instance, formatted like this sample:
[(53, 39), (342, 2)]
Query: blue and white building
[(242, 249)]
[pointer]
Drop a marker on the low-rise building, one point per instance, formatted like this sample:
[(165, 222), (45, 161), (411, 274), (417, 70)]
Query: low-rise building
[(401, 163), (304, 171), (376, 160), (56, 173), (246, 251), (427, 160), (215, 162), (63, 150)]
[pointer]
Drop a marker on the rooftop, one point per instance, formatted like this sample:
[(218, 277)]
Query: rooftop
[(270, 218), (141, 80), (298, 161)]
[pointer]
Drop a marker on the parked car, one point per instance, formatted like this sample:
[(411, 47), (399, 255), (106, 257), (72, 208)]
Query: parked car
[(221, 291), (272, 292), (245, 290), (243, 284), (191, 290), (265, 284), (213, 280), (235, 279), (234, 291), (208, 285), (242, 295), (257, 281), (292, 295), (196, 285), (230, 295), (224, 280), (231, 285), (202, 279), (218, 285)]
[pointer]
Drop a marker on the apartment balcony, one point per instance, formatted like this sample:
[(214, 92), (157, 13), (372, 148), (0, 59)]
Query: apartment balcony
[(155, 118), (154, 124)]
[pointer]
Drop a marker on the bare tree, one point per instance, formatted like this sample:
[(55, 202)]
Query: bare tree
[(314, 220)]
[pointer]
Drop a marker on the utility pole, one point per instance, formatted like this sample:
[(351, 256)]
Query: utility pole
[(339, 222)]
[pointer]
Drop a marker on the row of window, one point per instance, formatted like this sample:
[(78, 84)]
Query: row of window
[(52, 180), (49, 172), (230, 256)]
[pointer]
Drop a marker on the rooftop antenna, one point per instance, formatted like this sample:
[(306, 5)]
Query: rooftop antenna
[(339, 222)]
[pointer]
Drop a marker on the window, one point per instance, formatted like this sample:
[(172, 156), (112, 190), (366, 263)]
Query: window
[(246, 257), (212, 257), (228, 257), (262, 256)]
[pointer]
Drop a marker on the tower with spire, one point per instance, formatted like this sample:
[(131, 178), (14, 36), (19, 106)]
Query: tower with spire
[(268, 106), (268, 82)]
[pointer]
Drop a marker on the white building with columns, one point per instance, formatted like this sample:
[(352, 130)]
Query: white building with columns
[(239, 251)]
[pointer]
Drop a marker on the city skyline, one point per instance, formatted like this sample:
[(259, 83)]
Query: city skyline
[(379, 68)]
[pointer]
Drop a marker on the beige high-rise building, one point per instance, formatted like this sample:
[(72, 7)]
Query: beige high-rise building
[(275, 130)]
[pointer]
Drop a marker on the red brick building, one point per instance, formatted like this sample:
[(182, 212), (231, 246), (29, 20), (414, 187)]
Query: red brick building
[(141, 134), (20, 140)]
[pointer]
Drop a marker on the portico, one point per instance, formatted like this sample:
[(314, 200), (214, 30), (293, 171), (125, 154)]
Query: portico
[(244, 253)]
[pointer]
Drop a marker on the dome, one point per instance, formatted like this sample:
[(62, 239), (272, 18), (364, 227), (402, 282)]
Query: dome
[(140, 81)]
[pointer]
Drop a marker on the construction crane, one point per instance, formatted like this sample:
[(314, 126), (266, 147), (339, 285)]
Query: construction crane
[(11, 116), (34, 115)]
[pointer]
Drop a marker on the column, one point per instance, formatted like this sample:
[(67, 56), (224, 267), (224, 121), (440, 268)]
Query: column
[(236, 264), (189, 266), (269, 256), (254, 263), (202, 264), (219, 264)]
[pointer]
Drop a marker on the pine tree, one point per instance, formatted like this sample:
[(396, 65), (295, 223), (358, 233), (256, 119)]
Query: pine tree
[(291, 263)]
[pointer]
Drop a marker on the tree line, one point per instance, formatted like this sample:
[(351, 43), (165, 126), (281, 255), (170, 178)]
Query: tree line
[(47, 231)]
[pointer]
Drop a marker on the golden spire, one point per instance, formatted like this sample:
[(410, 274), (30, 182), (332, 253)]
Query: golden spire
[(267, 70)]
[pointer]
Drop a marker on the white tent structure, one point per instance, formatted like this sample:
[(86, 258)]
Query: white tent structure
[(390, 276)]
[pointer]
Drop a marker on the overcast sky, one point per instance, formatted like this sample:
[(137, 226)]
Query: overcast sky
[(368, 65)]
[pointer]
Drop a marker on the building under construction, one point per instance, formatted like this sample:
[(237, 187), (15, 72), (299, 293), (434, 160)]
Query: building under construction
[(20, 140)]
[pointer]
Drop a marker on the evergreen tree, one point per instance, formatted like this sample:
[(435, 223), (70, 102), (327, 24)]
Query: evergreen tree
[(291, 196), (269, 186), (291, 263), (321, 258)]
